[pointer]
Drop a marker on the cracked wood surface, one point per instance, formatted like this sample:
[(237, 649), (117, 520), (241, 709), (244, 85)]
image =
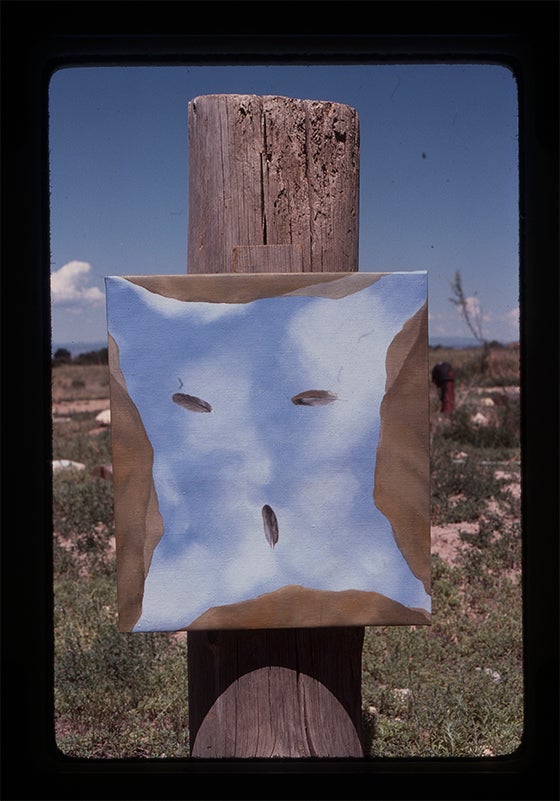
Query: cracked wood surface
[(272, 171)]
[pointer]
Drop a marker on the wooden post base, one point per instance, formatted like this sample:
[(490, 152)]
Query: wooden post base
[(275, 693)]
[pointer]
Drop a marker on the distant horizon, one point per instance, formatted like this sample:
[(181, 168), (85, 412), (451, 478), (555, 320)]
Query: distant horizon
[(77, 347)]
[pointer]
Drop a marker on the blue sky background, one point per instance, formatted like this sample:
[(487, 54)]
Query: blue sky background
[(314, 465), (438, 178)]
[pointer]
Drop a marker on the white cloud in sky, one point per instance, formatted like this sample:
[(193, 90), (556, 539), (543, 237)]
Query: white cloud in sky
[(502, 325), (69, 286), (472, 307), (511, 319), (473, 310), (494, 325)]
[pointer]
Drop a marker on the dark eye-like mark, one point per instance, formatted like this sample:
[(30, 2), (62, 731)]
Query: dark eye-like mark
[(190, 402), (314, 397), (270, 525)]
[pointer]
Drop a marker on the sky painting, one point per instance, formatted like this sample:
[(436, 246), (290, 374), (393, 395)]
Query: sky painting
[(261, 439)]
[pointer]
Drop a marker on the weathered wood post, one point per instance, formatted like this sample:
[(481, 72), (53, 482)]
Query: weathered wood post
[(273, 187)]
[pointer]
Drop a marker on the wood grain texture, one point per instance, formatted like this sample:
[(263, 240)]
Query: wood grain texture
[(269, 171), (276, 693), (267, 259), (266, 170)]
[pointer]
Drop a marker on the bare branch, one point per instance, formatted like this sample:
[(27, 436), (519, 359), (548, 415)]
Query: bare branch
[(472, 313)]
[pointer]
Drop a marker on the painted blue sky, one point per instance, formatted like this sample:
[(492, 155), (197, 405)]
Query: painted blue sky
[(313, 465), (438, 178)]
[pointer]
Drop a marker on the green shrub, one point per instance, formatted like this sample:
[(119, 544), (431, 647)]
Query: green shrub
[(116, 694), (502, 430), (80, 503), (459, 488), (93, 357), (453, 689), (83, 517), (61, 356), (73, 441)]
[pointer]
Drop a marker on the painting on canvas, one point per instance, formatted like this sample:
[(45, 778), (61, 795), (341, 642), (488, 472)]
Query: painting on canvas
[(270, 450)]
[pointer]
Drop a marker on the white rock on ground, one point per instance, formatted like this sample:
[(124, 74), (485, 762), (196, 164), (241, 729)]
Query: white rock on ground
[(104, 417), (66, 464)]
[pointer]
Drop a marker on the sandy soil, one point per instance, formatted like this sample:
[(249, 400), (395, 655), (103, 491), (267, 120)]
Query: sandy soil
[(446, 541)]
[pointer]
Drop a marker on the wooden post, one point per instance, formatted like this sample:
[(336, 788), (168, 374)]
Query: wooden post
[(269, 171), (273, 187)]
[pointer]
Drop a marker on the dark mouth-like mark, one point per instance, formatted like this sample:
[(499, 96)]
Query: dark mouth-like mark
[(270, 523)]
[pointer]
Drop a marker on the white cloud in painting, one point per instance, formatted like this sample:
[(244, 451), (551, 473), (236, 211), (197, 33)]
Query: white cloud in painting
[(173, 308), (313, 465), (69, 286), (334, 352)]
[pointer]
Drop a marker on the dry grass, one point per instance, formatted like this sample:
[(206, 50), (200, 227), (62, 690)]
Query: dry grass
[(499, 366), (452, 689), (71, 382)]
